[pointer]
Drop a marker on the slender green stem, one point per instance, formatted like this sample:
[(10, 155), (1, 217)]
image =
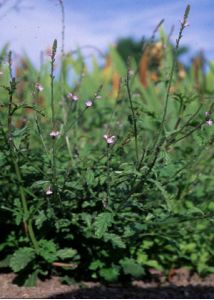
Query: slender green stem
[(172, 137), (54, 166), (41, 137), (54, 174), (174, 63), (108, 175), (11, 91), (69, 147), (168, 89), (52, 92), (9, 120), (188, 133), (63, 25), (63, 64), (134, 119)]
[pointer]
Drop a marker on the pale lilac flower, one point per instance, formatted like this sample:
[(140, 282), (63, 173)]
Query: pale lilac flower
[(209, 122), (39, 87), (207, 113), (72, 97), (88, 103), (49, 191), (54, 134), (75, 98), (109, 139), (98, 97)]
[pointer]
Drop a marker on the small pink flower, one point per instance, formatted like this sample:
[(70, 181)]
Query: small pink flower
[(54, 134), (49, 191), (209, 122), (88, 103), (75, 98), (72, 97), (207, 113), (109, 139), (39, 87)]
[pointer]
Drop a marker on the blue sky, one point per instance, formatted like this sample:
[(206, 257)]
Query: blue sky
[(101, 22)]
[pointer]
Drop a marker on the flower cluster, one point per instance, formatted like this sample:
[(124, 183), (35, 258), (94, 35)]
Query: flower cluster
[(88, 103)]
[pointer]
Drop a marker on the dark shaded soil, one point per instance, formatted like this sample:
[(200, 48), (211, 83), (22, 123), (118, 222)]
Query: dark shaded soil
[(181, 285)]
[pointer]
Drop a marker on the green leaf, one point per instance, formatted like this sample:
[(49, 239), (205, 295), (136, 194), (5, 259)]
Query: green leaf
[(168, 198), (102, 222), (2, 159), (21, 258), (87, 219), (188, 247), (39, 183), (32, 279), (20, 132), (47, 249), (142, 258), (147, 244), (18, 212), (97, 264), (66, 253), (40, 219), (109, 274), (130, 267), (90, 177), (115, 240), (154, 264), (195, 210), (5, 262)]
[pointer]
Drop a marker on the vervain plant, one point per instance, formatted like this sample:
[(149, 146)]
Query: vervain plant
[(114, 180)]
